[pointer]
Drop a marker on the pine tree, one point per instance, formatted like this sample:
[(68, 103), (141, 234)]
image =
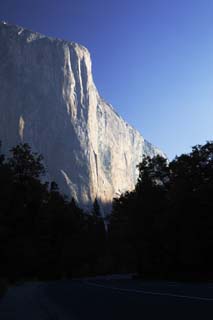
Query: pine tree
[(96, 209)]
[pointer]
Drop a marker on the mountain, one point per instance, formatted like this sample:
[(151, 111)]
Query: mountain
[(49, 100)]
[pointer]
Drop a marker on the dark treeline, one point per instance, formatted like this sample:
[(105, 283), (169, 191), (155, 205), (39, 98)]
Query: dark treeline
[(43, 235), (162, 229)]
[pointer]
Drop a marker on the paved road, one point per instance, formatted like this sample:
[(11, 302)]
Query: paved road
[(108, 299)]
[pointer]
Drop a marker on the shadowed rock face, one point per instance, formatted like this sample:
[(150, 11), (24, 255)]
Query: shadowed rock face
[(49, 100)]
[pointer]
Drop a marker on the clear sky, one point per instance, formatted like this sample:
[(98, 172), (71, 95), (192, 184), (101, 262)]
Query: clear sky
[(152, 59)]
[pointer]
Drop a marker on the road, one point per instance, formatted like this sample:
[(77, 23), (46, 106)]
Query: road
[(107, 299)]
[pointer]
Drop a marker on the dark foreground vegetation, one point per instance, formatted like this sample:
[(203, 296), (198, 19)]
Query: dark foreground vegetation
[(43, 235), (162, 229), (166, 223)]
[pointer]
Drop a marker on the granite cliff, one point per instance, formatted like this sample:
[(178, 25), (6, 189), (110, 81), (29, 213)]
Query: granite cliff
[(49, 100)]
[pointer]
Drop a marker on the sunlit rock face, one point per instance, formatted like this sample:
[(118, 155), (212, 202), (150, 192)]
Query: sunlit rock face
[(49, 100)]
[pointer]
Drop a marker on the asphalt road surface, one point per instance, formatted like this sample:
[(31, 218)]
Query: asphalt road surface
[(100, 299)]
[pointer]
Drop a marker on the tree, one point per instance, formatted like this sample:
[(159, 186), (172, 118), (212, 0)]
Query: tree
[(168, 217), (192, 205), (96, 209), (26, 163), (23, 195), (42, 233)]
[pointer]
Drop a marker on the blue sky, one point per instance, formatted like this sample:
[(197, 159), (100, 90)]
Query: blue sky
[(152, 59)]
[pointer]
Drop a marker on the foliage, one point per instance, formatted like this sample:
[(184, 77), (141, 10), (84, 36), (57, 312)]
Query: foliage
[(42, 234), (167, 219), (163, 228), (96, 208)]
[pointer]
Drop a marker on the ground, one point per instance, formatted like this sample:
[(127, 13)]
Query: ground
[(107, 298)]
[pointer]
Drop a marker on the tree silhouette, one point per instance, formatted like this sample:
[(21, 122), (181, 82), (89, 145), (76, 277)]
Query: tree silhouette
[(161, 229), (25, 163), (96, 209), (167, 219)]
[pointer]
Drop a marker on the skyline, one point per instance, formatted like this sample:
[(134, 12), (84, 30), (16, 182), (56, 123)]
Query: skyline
[(153, 61)]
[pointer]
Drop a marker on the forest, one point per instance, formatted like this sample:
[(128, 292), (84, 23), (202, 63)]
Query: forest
[(162, 229)]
